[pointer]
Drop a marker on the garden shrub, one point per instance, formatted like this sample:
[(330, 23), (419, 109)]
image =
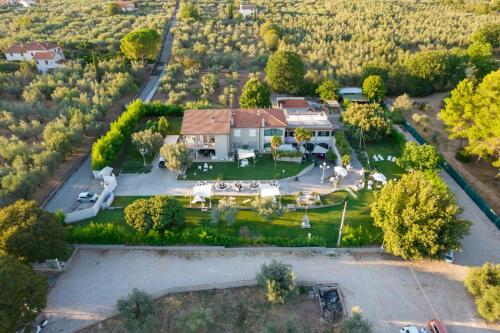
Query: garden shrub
[(278, 280), (158, 213), (158, 109), (109, 233), (357, 236), (342, 144), (138, 308), (484, 285), (463, 156)]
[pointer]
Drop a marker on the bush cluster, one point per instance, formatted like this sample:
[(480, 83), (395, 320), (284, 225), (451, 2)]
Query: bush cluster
[(484, 284), (157, 213), (109, 233)]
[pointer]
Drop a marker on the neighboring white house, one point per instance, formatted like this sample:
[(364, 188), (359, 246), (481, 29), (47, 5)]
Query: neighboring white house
[(26, 3), (317, 122), (353, 94), (248, 10), (126, 6), (46, 55)]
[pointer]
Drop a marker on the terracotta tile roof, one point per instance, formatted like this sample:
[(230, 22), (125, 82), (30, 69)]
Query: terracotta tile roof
[(43, 56), (213, 121), (294, 104), (252, 118), (125, 4), (35, 46)]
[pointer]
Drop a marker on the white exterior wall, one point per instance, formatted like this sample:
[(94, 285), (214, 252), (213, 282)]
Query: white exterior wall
[(222, 146), (14, 56), (248, 12), (45, 65)]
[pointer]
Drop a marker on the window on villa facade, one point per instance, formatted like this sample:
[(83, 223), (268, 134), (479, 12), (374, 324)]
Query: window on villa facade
[(273, 131), (323, 133), (252, 132), (290, 134), (237, 132)]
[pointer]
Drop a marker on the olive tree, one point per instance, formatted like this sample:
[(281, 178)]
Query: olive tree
[(147, 142), (278, 279), (138, 308), (177, 156), (483, 283)]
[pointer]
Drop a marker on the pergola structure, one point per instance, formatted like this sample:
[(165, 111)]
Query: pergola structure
[(200, 193)]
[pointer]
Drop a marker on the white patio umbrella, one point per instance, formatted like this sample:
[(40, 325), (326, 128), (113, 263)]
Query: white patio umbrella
[(379, 177), (341, 171), (203, 191)]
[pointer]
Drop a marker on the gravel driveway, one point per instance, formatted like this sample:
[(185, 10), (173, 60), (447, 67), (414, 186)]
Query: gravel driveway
[(386, 289)]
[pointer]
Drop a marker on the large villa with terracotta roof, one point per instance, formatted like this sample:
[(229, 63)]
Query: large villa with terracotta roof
[(217, 133)]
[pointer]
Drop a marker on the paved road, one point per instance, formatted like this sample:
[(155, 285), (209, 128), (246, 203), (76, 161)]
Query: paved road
[(387, 290), (82, 179)]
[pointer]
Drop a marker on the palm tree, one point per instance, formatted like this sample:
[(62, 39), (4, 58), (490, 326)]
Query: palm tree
[(276, 142), (302, 134)]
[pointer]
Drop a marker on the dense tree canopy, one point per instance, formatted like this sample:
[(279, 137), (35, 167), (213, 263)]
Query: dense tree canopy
[(419, 157), (30, 233), (368, 120), (482, 59), (142, 44), (138, 308), (418, 215), (285, 72), (177, 156), (484, 285), (328, 90), (255, 94), (23, 294), (158, 213), (374, 88), (474, 114)]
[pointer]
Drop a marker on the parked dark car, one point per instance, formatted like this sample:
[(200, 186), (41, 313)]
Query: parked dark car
[(436, 326)]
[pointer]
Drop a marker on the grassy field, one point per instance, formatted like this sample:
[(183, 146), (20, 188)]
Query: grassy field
[(262, 170), (325, 222)]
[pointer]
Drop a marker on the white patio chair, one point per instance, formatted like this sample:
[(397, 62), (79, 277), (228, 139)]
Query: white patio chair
[(199, 167), (380, 157), (210, 167)]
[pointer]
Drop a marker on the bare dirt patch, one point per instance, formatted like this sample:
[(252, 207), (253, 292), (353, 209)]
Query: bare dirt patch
[(479, 173), (244, 309)]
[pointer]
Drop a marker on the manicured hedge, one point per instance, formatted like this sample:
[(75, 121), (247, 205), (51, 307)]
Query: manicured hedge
[(342, 143), (107, 147), (110, 233)]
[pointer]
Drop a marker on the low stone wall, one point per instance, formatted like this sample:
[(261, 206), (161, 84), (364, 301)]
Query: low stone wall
[(297, 159)]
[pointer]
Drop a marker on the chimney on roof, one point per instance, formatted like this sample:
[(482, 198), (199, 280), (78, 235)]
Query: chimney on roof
[(213, 119), (232, 120), (258, 112), (263, 122)]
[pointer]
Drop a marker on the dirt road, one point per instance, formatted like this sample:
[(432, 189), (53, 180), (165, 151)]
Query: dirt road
[(390, 294)]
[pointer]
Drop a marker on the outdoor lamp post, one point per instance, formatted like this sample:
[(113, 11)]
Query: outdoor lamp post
[(323, 166), (308, 239)]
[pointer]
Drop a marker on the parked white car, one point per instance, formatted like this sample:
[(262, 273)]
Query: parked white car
[(87, 197), (449, 257), (409, 329)]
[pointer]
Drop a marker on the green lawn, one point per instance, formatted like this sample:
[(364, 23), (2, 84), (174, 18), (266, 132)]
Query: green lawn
[(262, 170), (325, 222), (129, 160), (385, 148)]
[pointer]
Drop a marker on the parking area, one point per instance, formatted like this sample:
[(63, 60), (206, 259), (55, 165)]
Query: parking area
[(391, 293)]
